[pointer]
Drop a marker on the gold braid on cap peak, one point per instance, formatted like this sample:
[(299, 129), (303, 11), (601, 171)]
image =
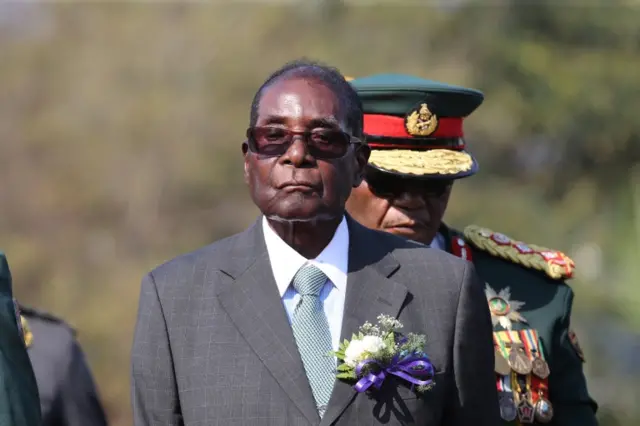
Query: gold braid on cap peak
[(433, 161), (553, 263)]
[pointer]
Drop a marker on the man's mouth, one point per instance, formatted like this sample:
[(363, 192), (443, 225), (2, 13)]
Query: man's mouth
[(298, 188), (410, 224)]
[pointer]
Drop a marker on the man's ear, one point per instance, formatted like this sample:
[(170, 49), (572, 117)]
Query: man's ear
[(245, 153), (362, 158)]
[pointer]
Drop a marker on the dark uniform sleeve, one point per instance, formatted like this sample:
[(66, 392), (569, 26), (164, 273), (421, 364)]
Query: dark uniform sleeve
[(19, 399), (567, 384), (77, 403)]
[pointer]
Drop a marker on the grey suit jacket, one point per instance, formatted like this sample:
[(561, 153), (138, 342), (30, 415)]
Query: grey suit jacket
[(213, 345)]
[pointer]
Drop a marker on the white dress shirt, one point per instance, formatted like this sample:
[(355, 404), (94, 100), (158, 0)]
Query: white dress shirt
[(333, 261), (438, 242)]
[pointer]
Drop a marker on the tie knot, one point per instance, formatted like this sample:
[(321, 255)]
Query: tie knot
[(309, 281)]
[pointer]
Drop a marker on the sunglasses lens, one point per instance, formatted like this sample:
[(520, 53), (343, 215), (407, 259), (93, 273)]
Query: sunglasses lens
[(390, 186), (269, 141), (322, 144), (381, 186), (328, 143), (436, 188)]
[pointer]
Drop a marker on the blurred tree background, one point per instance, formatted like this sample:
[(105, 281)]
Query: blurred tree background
[(120, 131)]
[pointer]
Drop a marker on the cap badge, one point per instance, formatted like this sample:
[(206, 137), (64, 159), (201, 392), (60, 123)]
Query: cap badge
[(421, 121)]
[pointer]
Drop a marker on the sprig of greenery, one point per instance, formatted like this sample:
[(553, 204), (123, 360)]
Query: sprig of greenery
[(414, 343), (346, 373)]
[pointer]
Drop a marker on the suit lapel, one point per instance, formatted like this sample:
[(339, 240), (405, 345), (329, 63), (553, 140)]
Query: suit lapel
[(370, 293), (255, 307)]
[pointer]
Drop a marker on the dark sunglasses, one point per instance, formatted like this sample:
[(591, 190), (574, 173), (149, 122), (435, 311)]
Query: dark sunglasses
[(386, 186), (323, 144)]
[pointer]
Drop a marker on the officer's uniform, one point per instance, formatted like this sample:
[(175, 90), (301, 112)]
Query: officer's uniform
[(19, 403), (414, 127), (68, 395)]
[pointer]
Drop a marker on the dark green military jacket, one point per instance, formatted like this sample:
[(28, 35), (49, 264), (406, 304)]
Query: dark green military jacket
[(19, 401), (528, 290)]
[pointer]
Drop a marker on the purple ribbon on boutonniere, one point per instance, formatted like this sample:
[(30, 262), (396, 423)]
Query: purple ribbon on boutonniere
[(414, 368)]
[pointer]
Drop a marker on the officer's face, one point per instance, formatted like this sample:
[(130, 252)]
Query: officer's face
[(410, 208)]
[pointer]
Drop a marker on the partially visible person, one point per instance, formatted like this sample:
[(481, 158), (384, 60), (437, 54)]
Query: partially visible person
[(415, 130), (68, 395), (19, 401), (240, 332)]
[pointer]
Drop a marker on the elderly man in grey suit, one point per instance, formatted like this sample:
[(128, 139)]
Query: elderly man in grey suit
[(239, 332)]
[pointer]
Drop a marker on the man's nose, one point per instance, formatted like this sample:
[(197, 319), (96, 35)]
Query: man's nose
[(409, 199), (298, 153)]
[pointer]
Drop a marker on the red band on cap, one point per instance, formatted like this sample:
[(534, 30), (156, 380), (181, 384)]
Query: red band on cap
[(393, 127), (458, 147)]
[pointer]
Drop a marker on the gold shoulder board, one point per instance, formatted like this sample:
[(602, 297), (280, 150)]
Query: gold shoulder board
[(555, 264)]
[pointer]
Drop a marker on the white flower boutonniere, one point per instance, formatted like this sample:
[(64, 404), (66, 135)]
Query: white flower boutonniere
[(377, 351)]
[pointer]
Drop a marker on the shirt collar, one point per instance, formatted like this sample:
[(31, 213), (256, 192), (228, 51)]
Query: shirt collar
[(438, 242), (285, 261)]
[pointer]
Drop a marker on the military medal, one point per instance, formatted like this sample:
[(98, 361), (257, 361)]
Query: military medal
[(540, 367), (519, 361), (508, 410), (498, 306), (543, 410), (502, 366), (506, 401), (526, 410), (503, 310)]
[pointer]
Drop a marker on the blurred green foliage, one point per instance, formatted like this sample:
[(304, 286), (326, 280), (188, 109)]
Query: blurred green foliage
[(120, 131)]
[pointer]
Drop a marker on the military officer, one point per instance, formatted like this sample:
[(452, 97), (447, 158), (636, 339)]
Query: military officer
[(68, 395), (415, 129), (19, 403)]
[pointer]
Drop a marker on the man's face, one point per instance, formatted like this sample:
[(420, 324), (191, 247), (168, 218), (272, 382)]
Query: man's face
[(410, 208), (300, 184)]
